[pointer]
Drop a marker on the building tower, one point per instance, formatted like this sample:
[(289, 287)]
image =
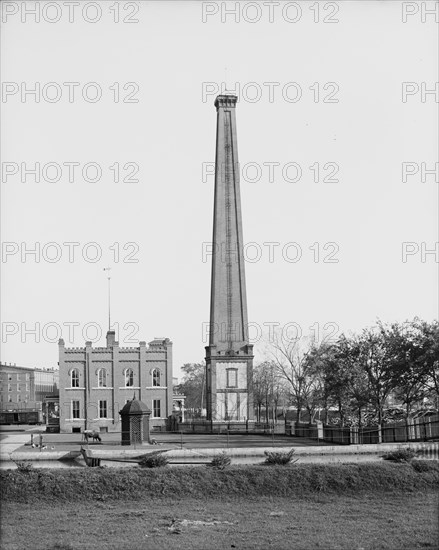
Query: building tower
[(229, 356)]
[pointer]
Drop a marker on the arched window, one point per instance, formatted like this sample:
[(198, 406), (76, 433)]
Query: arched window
[(102, 378), (156, 377), (129, 378), (74, 378)]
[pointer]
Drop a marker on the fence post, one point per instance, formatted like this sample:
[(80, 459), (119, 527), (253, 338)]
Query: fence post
[(181, 439), (227, 438)]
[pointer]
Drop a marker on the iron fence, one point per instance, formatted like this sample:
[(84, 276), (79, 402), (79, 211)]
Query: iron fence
[(208, 427), (418, 429)]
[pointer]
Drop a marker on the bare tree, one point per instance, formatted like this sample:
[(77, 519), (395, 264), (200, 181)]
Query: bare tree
[(269, 390), (290, 360)]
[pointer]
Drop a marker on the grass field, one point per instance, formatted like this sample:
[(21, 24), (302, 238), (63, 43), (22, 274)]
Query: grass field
[(369, 522), (300, 507)]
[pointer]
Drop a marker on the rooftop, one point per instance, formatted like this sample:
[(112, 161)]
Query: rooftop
[(135, 407)]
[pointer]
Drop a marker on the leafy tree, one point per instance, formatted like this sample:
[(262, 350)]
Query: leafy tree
[(375, 360), (359, 393), (430, 357), (408, 348), (193, 386), (342, 384)]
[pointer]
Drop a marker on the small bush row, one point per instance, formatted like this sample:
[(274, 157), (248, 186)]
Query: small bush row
[(221, 461)]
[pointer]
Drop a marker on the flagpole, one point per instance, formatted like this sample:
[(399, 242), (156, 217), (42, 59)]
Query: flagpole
[(109, 296)]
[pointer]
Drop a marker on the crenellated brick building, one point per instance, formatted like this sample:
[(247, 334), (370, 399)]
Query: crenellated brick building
[(95, 383)]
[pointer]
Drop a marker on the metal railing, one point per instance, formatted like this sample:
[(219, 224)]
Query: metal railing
[(208, 427), (422, 429)]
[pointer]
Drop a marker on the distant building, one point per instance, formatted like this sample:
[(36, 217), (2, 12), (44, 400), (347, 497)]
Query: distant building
[(24, 389), (96, 383), (46, 383), (17, 386)]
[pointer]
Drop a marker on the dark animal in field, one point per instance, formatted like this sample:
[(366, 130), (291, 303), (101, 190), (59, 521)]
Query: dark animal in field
[(91, 434)]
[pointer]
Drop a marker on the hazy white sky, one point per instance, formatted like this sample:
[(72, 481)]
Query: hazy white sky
[(172, 56)]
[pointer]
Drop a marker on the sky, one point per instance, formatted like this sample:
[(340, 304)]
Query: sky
[(337, 136)]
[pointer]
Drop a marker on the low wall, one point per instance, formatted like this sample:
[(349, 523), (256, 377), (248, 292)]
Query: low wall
[(426, 450)]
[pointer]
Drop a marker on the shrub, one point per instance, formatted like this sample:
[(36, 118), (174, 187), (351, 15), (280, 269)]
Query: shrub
[(400, 455), (424, 465), (154, 460), (24, 467), (221, 461), (281, 458)]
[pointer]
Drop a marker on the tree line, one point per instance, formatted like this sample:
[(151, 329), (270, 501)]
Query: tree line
[(355, 375), (349, 380)]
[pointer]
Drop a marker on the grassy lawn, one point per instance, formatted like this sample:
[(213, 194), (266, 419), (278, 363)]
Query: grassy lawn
[(296, 507), (366, 521)]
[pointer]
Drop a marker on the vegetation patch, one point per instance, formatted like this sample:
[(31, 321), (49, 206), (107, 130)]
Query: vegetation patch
[(423, 465), (105, 484), (221, 461), (400, 455), (280, 458), (154, 460), (24, 467)]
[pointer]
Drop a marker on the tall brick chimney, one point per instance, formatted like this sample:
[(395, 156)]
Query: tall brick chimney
[(229, 356)]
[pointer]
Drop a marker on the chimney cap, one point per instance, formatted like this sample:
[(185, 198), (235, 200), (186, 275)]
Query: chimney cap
[(226, 100)]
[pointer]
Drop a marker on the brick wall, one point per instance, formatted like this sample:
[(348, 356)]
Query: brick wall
[(114, 361)]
